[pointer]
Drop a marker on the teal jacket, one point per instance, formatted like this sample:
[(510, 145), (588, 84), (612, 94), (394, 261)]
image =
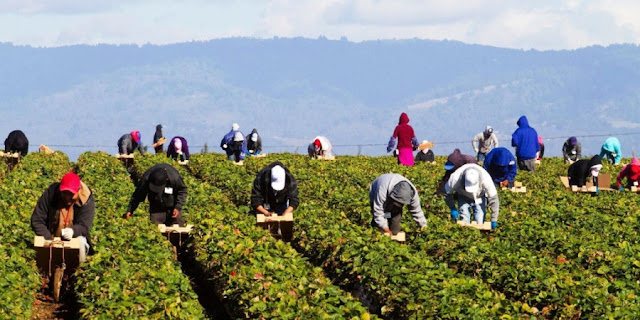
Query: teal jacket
[(611, 150)]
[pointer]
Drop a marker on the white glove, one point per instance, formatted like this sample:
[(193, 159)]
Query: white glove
[(67, 233), (224, 146), (250, 151)]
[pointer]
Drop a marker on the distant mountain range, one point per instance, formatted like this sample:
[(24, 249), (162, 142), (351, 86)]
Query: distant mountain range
[(294, 89)]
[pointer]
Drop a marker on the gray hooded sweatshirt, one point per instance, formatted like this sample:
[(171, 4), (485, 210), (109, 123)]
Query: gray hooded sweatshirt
[(484, 141), (380, 198)]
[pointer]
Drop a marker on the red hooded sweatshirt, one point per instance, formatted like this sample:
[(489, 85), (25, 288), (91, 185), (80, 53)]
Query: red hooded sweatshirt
[(404, 132), (631, 172)]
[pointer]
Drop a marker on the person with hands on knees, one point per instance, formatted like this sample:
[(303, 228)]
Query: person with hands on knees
[(474, 188), (388, 194), (66, 210), (501, 165), (610, 150), (167, 194), (631, 172), (571, 150), (274, 191)]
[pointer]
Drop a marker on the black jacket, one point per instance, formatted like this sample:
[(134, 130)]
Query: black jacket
[(156, 137), (164, 202), (255, 146), (45, 217), (262, 192), (579, 171), (17, 142), (429, 156)]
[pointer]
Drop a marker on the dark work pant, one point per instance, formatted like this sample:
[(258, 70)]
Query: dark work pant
[(393, 222), (166, 219)]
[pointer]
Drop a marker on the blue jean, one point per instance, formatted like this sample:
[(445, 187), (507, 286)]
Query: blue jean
[(481, 157), (465, 206)]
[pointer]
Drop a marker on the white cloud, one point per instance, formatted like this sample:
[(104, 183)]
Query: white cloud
[(542, 24)]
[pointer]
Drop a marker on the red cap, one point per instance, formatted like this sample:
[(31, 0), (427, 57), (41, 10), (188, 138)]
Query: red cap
[(70, 182), (136, 136), (317, 143)]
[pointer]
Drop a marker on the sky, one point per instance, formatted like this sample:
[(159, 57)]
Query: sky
[(520, 24)]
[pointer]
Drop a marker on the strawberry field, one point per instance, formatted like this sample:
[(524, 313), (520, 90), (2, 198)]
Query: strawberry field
[(554, 255)]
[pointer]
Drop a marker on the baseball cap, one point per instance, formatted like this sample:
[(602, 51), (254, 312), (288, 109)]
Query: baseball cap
[(449, 165), (158, 180), (136, 136), (277, 178), (70, 182), (471, 181)]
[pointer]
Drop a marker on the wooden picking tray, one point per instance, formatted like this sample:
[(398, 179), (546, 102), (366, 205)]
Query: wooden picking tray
[(517, 188), (281, 227), (330, 158), (175, 233), (486, 226), (71, 253), (604, 183), (400, 237), (124, 156), (239, 163), (9, 154)]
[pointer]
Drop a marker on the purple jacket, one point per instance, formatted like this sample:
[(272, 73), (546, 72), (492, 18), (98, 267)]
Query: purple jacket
[(171, 150)]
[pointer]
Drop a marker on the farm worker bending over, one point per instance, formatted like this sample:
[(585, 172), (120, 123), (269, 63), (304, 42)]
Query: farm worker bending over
[(571, 150), (454, 161), (474, 187), (501, 165), (425, 154), (319, 147), (178, 149), (157, 145), (254, 143), (238, 146), (406, 141), (610, 150), (130, 142), (66, 210), (525, 139), (482, 143), (16, 142), (227, 144), (274, 191), (631, 172), (388, 194), (582, 169), (167, 193)]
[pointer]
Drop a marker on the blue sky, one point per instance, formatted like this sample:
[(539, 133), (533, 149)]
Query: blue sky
[(525, 24)]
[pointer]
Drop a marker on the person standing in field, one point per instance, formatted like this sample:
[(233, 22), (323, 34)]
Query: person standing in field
[(482, 143), (571, 150), (158, 145), (610, 150), (525, 140), (404, 139)]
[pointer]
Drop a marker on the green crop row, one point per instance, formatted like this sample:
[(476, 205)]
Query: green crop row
[(255, 275), (19, 192), (133, 273), (399, 282)]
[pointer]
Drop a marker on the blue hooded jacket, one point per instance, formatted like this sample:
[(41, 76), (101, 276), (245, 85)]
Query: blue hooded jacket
[(525, 139), (609, 147), (228, 140), (501, 165)]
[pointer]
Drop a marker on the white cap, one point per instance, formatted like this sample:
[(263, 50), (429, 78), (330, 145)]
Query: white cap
[(254, 137), (235, 127), (471, 181), (238, 136), (277, 178)]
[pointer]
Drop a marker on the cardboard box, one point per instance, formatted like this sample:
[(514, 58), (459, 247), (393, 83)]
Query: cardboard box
[(486, 226), (262, 155), (604, 184)]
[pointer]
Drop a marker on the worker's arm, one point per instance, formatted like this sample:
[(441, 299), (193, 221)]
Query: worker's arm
[(495, 140), (474, 143), (139, 194), (377, 198), (416, 211), (83, 218), (39, 216), (181, 197), (257, 199)]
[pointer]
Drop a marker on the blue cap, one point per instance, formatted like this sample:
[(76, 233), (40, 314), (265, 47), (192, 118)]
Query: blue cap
[(449, 165)]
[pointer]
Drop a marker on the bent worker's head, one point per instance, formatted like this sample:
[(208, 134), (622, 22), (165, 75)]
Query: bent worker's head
[(402, 193), (158, 180), (471, 181), (278, 178), (69, 187)]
